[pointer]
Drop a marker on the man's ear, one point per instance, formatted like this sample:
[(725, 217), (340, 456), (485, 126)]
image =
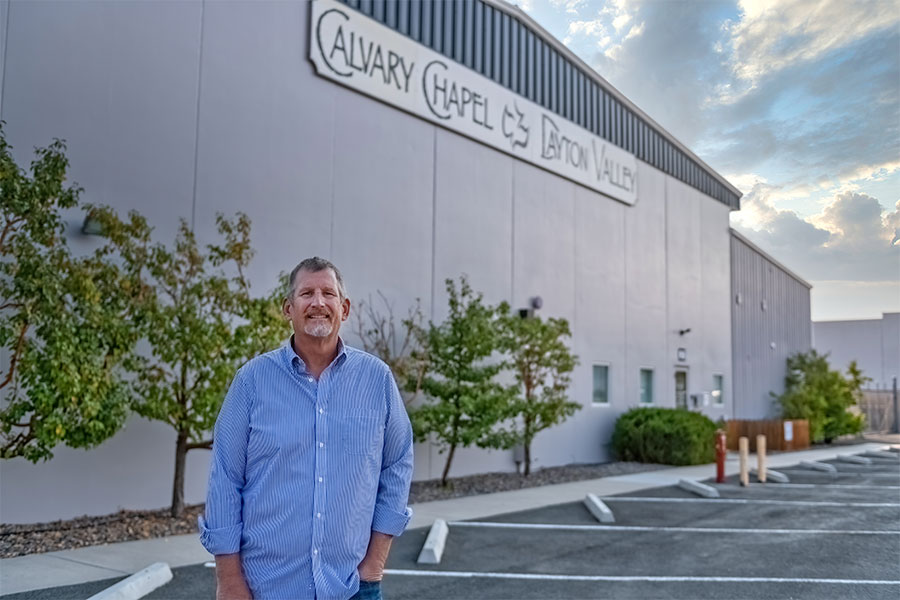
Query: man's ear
[(286, 308), (345, 306)]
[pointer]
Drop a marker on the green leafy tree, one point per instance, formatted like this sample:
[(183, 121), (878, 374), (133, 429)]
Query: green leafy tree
[(821, 395), (463, 403), (66, 322), (202, 323), (543, 366)]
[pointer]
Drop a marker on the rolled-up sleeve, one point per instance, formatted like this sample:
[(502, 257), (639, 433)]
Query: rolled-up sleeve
[(221, 525), (392, 514)]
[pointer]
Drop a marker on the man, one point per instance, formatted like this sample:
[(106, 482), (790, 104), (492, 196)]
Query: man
[(311, 461)]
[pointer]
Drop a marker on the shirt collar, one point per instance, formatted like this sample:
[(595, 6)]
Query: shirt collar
[(294, 362)]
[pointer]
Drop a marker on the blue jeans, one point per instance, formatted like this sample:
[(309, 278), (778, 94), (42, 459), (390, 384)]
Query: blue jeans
[(368, 590)]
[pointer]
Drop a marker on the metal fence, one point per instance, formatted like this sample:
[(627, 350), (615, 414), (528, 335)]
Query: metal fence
[(878, 408)]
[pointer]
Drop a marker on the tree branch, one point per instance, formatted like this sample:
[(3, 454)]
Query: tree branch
[(20, 343), (205, 445)]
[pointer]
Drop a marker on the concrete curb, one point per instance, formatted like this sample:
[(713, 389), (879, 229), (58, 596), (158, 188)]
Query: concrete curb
[(433, 548), (599, 509), (854, 459), (776, 476), (818, 466), (882, 454), (695, 487), (138, 585)]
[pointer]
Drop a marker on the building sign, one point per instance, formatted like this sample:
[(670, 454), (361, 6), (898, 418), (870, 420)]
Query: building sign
[(358, 52)]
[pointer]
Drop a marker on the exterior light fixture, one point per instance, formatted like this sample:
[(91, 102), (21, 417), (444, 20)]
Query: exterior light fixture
[(91, 225)]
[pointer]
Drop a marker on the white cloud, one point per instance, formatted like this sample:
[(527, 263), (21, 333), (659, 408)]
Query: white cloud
[(773, 34), (569, 6), (621, 21)]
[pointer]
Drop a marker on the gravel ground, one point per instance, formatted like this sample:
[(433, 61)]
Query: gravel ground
[(126, 525)]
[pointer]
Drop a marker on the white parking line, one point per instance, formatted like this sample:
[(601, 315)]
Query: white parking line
[(625, 578), (775, 486), (749, 501), (564, 527)]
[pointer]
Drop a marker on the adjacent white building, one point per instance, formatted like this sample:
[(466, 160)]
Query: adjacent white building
[(408, 142), (873, 343)]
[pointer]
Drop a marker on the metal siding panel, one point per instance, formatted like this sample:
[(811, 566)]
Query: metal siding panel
[(415, 20), (365, 6), (523, 59), (427, 23), (437, 27), (378, 10), (459, 25), (403, 16), (449, 22), (496, 48), (530, 65), (506, 45), (545, 75), (468, 37), (390, 14), (478, 34)]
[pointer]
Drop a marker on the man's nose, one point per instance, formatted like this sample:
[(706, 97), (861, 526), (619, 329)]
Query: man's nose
[(318, 299)]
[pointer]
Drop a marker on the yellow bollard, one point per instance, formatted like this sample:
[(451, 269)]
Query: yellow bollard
[(761, 458), (744, 449)]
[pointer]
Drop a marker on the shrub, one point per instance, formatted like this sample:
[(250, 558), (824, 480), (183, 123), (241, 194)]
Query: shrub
[(665, 435), (822, 395)]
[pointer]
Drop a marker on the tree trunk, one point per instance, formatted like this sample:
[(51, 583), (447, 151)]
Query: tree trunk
[(527, 458), (181, 448), (447, 466)]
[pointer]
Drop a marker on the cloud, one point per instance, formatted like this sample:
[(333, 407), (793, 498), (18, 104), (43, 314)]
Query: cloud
[(569, 6), (853, 238), (775, 34)]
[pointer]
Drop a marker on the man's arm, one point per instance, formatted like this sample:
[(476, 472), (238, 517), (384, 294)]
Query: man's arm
[(372, 566), (230, 582), (391, 512), (221, 524)]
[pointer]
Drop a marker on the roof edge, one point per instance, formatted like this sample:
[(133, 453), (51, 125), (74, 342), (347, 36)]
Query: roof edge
[(736, 234), (514, 11)]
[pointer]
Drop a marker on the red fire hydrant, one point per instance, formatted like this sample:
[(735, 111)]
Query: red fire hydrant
[(721, 451)]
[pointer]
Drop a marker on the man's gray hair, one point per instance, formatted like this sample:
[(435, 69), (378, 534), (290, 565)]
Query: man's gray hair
[(314, 265)]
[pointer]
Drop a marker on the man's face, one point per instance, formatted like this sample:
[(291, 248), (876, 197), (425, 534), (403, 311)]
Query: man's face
[(315, 306)]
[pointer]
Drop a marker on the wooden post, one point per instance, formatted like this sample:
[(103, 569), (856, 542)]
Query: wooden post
[(761, 458), (744, 449)]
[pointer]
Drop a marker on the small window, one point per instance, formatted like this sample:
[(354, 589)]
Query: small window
[(601, 384), (718, 392), (646, 386)]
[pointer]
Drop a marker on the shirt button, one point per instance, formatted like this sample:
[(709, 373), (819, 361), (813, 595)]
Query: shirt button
[(315, 551), (318, 515), (321, 411), (320, 480), (310, 379), (321, 445)]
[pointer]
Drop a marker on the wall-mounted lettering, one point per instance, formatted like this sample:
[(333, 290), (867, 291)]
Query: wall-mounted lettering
[(358, 52)]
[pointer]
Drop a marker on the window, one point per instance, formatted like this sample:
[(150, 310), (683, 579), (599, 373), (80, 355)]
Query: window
[(718, 393), (601, 384), (646, 386)]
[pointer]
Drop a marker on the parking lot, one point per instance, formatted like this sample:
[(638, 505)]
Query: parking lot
[(823, 535)]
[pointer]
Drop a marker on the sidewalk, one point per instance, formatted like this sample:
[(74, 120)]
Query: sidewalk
[(67, 567)]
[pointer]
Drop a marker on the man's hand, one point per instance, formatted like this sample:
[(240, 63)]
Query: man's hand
[(230, 582), (372, 566)]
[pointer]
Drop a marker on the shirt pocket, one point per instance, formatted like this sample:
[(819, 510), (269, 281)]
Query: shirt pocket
[(361, 433)]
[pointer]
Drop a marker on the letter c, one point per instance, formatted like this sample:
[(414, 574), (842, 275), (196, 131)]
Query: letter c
[(319, 40), (425, 88)]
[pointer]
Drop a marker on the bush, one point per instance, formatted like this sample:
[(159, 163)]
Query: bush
[(822, 395), (669, 436)]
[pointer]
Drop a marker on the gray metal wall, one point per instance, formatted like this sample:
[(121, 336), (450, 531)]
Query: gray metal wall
[(770, 321), (874, 345), (183, 110), (502, 43)]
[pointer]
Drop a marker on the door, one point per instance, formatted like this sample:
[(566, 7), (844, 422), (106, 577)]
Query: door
[(681, 389)]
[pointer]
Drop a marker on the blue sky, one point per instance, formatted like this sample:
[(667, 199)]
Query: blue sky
[(796, 102)]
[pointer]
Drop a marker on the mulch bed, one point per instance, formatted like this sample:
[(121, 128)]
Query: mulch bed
[(127, 525)]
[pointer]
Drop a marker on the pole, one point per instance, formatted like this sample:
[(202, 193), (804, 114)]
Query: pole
[(744, 449), (721, 451), (761, 458), (896, 409)]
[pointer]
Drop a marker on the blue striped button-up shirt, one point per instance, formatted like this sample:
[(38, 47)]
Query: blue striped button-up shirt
[(302, 472)]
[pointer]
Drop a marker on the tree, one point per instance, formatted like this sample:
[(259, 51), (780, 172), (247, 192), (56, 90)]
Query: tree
[(201, 325), (463, 403), (378, 333), (543, 365), (814, 392), (66, 322)]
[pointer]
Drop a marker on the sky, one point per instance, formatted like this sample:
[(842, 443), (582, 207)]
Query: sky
[(795, 102)]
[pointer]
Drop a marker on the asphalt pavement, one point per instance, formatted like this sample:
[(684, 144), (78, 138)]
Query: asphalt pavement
[(823, 535)]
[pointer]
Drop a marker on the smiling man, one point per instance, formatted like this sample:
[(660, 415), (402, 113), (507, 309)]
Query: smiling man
[(312, 460)]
